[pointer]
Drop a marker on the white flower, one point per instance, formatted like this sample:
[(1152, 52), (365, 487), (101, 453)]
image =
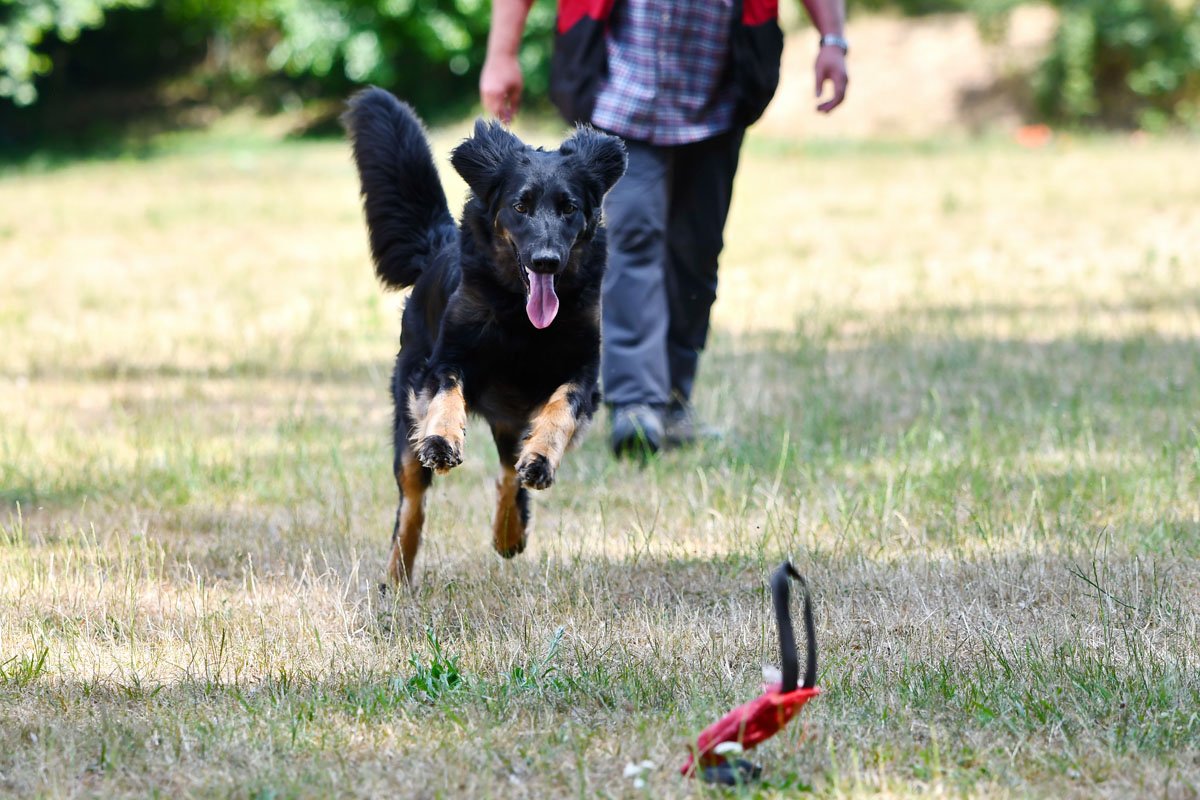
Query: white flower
[(772, 675), (635, 771)]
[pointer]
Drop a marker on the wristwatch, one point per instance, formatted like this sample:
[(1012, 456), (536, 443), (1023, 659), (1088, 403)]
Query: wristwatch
[(836, 40)]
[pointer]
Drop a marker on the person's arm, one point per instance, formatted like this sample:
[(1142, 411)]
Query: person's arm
[(501, 82), (829, 17)]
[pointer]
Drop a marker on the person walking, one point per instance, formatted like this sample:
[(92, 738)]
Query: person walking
[(679, 81)]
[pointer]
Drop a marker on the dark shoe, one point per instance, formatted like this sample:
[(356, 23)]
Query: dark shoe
[(680, 428), (637, 430)]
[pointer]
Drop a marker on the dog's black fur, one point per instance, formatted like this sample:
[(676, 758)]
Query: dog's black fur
[(466, 335)]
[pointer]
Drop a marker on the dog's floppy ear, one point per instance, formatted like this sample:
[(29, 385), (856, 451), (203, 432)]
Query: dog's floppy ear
[(602, 156), (479, 159)]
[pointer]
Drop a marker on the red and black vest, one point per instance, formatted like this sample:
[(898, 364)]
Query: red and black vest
[(580, 62)]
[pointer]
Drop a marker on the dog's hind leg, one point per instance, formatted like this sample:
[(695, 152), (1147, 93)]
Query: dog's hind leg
[(512, 499), (412, 480)]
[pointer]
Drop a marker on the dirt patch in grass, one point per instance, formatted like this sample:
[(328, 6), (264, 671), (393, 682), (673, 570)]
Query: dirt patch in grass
[(916, 78)]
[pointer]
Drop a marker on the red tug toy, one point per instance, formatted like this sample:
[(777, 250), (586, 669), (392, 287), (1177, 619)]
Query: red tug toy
[(752, 723)]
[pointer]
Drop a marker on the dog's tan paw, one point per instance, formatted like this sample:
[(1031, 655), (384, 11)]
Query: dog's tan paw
[(439, 454), (536, 471)]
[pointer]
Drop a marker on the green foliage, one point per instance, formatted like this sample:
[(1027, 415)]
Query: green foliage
[(1112, 61), (24, 24), (23, 670), (374, 40), (442, 677), (910, 8), (1122, 62), (428, 50)]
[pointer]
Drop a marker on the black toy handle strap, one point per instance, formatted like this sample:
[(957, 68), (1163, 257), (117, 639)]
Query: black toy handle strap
[(788, 655)]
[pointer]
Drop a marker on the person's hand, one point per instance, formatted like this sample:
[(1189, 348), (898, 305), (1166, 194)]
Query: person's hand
[(831, 66), (500, 86)]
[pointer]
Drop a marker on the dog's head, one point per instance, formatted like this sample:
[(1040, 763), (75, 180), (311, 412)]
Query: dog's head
[(542, 206)]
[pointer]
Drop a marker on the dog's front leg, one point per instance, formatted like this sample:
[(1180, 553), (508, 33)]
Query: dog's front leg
[(439, 441), (551, 430)]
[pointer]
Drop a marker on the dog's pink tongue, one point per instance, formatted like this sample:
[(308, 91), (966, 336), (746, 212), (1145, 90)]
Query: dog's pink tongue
[(543, 302)]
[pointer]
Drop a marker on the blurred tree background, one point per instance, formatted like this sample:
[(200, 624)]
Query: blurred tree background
[(72, 67), (81, 65)]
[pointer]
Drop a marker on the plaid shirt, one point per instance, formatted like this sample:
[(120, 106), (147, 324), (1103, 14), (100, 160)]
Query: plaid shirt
[(667, 65)]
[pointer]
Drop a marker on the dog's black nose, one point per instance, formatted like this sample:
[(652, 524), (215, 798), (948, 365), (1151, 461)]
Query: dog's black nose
[(545, 262)]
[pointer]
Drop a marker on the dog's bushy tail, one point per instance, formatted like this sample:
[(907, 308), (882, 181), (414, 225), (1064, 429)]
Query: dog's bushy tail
[(407, 216)]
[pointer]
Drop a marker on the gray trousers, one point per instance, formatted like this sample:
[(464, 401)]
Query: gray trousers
[(665, 222)]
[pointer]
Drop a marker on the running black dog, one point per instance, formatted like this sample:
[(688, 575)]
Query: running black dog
[(504, 318)]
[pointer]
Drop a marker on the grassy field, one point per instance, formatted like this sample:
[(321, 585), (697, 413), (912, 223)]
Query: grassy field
[(961, 386)]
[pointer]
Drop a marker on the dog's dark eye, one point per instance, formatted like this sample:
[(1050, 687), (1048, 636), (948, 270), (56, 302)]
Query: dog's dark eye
[(569, 209), (519, 207)]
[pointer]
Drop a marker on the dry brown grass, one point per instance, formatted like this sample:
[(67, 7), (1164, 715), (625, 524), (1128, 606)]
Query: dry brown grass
[(960, 384)]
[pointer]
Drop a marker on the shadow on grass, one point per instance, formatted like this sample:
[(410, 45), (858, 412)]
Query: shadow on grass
[(348, 372), (1139, 394), (1083, 427), (957, 706)]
